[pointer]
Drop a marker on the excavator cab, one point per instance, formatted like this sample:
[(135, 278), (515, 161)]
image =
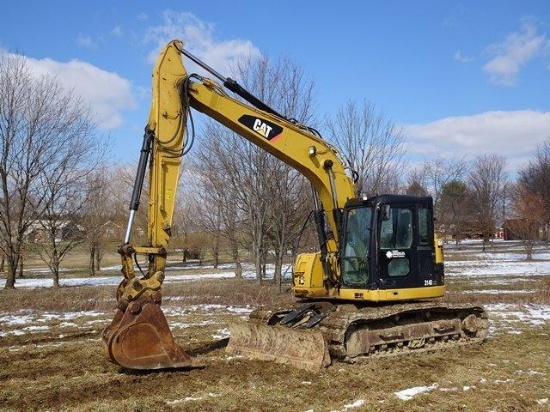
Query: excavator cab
[(388, 244)]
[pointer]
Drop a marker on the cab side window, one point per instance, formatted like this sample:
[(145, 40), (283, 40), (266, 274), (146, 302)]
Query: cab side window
[(424, 227), (396, 229)]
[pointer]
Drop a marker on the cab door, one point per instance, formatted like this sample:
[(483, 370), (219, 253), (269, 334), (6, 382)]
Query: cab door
[(403, 258)]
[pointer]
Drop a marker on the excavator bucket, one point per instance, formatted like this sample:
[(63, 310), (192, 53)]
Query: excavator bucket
[(305, 349), (140, 338)]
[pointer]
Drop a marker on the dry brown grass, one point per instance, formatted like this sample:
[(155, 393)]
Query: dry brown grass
[(508, 373), (542, 292), (228, 292), (61, 299), (60, 366)]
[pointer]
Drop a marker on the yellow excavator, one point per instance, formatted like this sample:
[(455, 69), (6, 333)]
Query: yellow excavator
[(370, 289)]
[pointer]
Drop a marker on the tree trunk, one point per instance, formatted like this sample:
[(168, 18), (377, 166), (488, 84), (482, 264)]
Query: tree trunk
[(10, 274), (277, 275), (92, 261), (258, 264), (236, 258), (98, 257), (529, 249), (54, 266), (216, 250), (55, 274), (13, 258), (21, 275)]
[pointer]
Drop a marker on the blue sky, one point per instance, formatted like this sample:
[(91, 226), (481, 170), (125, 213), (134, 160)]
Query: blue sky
[(460, 77)]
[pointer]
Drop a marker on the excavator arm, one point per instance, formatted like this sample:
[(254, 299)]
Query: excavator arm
[(139, 336)]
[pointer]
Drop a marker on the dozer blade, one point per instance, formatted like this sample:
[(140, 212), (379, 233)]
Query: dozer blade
[(140, 338), (305, 349)]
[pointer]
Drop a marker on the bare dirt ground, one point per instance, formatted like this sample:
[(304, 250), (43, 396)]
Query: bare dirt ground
[(51, 360)]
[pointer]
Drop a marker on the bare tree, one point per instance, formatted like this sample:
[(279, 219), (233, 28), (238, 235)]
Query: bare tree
[(39, 123), (454, 208), (372, 145), (440, 171), (255, 187), (536, 179), (281, 85), (246, 168), (67, 198), (222, 199), (101, 214), (488, 182), (437, 173), (416, 184), (292, 205), (529, 217), (61, 225)]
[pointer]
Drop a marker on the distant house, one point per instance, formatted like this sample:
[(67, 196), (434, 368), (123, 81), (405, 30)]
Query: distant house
[(39, 232), (467, 230)]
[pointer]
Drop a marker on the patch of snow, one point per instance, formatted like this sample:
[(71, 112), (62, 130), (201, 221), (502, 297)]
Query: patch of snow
[(356, 404), (453, 389), (496, 291), (177, 274), (12, 332), (408, 394), (534, 315), (531, 372), (36, 328), (503, 381), (181, 325), (16, 319), (221, 334), (191, 399), (503, 266), (68, 325)]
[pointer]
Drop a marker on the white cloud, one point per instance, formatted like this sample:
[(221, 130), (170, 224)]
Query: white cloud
[(107, 92), (462, 58), (85, 41), (199, 38), (117, 31), (514, 52), (514, 135)]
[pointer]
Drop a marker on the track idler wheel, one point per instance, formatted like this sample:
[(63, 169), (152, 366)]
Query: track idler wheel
[(140, 338)]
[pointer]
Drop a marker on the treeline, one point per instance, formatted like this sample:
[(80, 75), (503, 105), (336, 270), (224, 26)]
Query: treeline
[(235, 198)]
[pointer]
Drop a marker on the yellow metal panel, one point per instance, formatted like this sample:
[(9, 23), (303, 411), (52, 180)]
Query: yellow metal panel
[(308, 275), (167, 121), (438, 250), (386, 295)]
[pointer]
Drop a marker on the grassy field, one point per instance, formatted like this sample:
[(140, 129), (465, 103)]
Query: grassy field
[(51, 356)]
